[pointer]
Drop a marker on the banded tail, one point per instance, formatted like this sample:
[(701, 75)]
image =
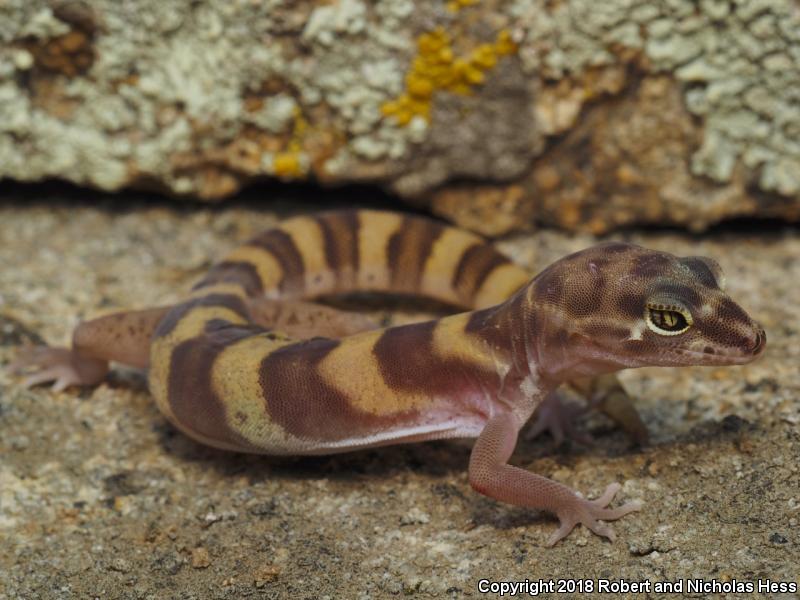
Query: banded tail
[(363, 250)]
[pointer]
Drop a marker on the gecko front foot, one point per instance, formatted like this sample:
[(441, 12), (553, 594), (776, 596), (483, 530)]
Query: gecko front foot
[(607, 395), (589, 513), (62, 366)]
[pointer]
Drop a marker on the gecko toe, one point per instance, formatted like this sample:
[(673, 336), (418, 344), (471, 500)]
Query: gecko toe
[(601, 529), (608, 495), (563, 531), (61, 376), (612, 514)]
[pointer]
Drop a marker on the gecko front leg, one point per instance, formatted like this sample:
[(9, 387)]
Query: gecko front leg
[(491, 475)]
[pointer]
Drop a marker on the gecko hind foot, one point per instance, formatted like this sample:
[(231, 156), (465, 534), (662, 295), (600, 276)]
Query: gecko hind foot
[(589, 513), (62, 366)]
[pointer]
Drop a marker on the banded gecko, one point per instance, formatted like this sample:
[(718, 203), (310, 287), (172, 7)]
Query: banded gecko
[(236, 364)]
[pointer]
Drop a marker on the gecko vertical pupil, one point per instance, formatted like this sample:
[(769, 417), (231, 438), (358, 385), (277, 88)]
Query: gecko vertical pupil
[(668, 320)]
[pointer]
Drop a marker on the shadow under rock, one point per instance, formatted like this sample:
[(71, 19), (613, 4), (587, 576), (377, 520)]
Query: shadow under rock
[(283, 198)]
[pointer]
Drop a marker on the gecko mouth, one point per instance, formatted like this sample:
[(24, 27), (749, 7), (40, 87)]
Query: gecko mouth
[(732, 355), (718, 358)]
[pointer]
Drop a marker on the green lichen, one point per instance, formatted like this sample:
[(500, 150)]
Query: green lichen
[(740, 62), (163, 72)]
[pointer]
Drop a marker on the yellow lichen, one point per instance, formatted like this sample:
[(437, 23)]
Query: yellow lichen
[(288, 163), (457, 5), (436, 68)]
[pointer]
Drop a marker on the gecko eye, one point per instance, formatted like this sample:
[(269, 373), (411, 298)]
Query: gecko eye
[(665, 319)]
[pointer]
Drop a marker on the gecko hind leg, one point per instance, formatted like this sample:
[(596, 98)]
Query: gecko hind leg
[(62, 366), (122, 337)]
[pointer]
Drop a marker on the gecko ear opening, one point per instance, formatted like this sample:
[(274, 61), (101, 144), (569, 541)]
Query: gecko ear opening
[(706, 269)]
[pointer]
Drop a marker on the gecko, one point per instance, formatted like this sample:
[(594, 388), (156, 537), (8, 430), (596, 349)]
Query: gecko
[(247, 362)]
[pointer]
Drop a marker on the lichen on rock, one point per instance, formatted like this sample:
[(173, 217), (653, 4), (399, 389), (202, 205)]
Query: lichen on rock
[(738, 63), (201, 99)]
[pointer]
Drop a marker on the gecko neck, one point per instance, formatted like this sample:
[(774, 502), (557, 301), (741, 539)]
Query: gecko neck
[(520, 383), (562, 349)]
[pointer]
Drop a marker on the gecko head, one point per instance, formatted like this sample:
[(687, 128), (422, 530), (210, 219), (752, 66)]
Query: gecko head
[(619, 305)]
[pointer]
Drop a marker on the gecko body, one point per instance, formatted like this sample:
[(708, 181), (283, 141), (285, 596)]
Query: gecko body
[(236, 365)]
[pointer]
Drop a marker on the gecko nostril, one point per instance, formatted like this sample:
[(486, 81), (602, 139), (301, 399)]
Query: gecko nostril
[(761, 340)]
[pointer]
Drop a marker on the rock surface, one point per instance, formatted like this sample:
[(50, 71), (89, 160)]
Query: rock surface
[(100, 497), (574, 113)]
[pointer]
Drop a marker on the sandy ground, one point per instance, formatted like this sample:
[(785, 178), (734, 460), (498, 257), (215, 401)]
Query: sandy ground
[(100, 497)]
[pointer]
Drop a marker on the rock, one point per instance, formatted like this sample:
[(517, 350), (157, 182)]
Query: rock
[(266, 574), (200, 558), (569, 113)]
